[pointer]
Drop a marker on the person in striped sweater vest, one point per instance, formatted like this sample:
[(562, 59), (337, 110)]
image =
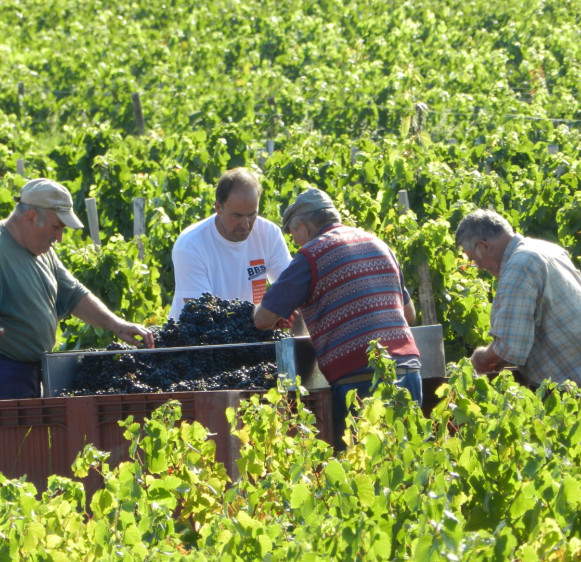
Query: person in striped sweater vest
[(350, 290)]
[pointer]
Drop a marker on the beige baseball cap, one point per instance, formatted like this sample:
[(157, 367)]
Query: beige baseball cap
[(49, 194), (312, 199)]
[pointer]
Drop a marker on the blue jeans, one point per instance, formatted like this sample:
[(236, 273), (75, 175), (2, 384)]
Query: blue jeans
[(411, 380), (19, 379)]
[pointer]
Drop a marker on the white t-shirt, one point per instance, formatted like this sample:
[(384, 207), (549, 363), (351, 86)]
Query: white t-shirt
[(205, 262)]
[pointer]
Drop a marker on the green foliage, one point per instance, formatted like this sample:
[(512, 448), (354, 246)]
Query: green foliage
[(461, 106), (493, 474), (121, 279)]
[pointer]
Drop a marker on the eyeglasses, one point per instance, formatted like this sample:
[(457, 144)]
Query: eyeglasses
[(471, 263), (466, 266)]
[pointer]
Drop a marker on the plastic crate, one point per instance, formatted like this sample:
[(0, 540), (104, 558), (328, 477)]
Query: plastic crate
[(34, 439), (43, 436)]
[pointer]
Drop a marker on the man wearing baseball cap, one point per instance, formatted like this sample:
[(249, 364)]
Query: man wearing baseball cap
[(350, 290), (36, 290)]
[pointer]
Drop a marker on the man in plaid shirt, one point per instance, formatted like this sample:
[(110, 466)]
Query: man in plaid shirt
[(536, 312)]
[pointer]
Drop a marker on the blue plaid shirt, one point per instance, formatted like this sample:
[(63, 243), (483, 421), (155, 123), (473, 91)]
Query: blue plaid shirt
[(536, 313)]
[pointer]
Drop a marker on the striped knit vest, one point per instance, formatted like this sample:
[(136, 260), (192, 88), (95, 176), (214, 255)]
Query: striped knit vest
[(356, 297)]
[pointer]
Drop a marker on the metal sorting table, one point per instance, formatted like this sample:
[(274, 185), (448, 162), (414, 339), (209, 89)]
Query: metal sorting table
[(294, 356)]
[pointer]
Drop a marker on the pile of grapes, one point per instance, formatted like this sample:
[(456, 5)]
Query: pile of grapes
[(207, 320)]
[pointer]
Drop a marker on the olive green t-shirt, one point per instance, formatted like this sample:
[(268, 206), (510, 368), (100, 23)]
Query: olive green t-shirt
[(35, 293)]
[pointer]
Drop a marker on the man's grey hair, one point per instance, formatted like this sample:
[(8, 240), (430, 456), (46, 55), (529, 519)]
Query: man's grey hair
[(318, 218), (23, 208), (481, 225)]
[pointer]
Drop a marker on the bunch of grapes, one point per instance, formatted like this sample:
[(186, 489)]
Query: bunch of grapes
[(207, 320)]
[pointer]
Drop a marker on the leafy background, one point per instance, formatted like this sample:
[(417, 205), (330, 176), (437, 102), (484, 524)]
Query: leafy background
[(461, 104)]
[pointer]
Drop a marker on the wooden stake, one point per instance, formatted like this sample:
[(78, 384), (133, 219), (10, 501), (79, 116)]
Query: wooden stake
[(139, 223), (138, 216), (427, 303), (91, 206), (403, 201), (21, 106), (138, 113)]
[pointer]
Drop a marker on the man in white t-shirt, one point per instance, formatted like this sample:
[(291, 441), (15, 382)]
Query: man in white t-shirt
[(233, 253)]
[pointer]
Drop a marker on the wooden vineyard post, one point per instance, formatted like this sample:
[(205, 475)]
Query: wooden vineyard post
[(403, 201), (20, 166), (140, 122), (20, 100), (354, 153), (139, 223), (91, 206), (269, 151), (427, 303)]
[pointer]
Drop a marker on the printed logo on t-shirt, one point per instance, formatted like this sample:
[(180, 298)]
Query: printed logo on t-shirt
[(256, 269), (258, 290)]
